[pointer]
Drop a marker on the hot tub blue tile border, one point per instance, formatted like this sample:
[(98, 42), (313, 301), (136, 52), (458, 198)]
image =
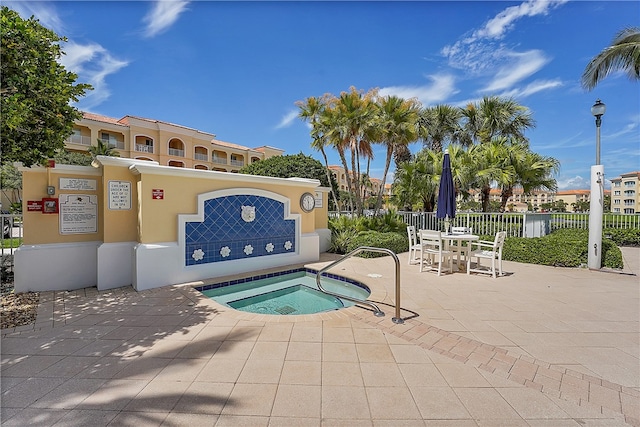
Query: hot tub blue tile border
[(203, 288)]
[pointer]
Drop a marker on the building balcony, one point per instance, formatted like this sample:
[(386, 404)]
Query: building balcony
[(219, 160), (176, 152), (117, 144), (144, 148), (200, 156), (78, 139), (235, 162)]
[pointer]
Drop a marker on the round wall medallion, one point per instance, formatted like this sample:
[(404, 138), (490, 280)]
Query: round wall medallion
[(307, 202)]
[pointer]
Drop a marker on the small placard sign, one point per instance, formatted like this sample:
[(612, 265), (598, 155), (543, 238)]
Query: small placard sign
[(157, 193), (34, 205), (79, 184)]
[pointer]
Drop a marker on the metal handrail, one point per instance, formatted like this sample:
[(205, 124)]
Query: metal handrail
[(378, 312)]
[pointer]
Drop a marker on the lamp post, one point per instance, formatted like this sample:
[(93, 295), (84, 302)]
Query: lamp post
[(596, 204), (598, 110)]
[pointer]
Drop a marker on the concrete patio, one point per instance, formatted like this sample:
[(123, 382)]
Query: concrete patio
[(541, 346)]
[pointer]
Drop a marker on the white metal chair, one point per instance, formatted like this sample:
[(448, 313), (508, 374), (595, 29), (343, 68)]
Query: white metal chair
[(487, 250), (457, 247), (432, 251), (414, 246)]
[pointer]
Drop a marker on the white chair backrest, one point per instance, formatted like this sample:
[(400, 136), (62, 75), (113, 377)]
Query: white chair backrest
[(461, 230), (431, 238), (411, 232), (499, 240)]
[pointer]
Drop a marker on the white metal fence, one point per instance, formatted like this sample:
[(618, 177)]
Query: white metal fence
[(515, 224), (10, 239)]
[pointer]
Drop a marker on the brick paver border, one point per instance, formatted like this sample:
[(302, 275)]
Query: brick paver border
[(584, 390)]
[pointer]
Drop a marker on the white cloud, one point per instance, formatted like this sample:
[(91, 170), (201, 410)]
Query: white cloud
[(42, 11), (531, 88), (481, 50), (631, 128), (441, 88), (163, 15), (504, 21), (287, 119), (573, 183), (92, 63), (518, 66)]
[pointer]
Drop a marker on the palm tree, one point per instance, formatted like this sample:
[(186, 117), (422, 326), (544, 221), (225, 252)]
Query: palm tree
[(416, 182), (438, 125), (495, 116), (532, 171), (103, 149), (492, 165), (352, 127), (311, 110), (395, 127), (623, 54)]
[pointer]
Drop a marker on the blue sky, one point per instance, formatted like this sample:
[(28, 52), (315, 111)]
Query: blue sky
[(236, 69)]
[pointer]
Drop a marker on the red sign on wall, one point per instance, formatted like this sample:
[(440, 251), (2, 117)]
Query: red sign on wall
[(34, 205), (157, 193)]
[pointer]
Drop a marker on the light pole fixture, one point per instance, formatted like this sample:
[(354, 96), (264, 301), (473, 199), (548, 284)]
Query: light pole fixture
[(598, 110), (596, 204)]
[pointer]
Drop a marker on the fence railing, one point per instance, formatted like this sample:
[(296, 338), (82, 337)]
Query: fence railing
[(515, 224), (10, 240)]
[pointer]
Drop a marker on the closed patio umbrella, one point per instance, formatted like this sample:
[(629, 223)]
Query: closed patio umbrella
[(446, 192)]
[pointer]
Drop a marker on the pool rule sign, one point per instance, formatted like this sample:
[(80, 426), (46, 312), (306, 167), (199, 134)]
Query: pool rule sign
[(78, 213), (119, 195)]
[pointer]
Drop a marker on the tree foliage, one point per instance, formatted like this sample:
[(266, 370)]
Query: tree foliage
[(65, 157), (103, 149), (623, 54), (35, 91), (290, 166)]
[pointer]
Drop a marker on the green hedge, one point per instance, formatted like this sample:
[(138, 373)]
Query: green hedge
[(623, 236), (562, 248), (389, 240)]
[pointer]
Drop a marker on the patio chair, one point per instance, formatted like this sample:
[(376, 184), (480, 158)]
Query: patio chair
[(414, 246), (432, 251), (487, 250), (458, 248)]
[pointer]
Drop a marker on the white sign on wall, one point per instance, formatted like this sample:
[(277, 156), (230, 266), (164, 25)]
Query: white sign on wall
[(78, 213), (318, 199), (119, 195), (78, 184)]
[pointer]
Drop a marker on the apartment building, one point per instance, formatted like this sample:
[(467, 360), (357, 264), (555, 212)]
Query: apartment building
[(624, 193), (340, 175), (519, 202), (166, 143), (572, 197)]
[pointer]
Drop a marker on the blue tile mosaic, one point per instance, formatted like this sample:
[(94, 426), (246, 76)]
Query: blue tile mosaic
[(224, 235)]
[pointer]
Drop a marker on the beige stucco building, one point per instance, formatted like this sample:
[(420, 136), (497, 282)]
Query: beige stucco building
[(625, 191), (340, 175), (166, 143)]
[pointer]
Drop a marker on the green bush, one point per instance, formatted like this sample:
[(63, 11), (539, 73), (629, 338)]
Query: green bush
[(388, 240), (562, 248), (623, 236)]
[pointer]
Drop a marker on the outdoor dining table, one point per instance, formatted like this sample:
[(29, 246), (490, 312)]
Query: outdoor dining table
[(453, 242)]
